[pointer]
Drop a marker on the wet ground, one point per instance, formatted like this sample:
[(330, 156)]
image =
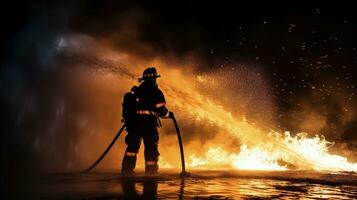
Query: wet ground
[(201, 185)]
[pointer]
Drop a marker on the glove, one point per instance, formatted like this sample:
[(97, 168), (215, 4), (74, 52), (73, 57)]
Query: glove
[(171, 114)]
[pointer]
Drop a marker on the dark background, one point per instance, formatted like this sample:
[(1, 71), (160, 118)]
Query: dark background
[(308, 52)]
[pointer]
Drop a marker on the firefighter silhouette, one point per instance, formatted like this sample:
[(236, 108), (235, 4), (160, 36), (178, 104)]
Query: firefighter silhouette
[(142, 108)]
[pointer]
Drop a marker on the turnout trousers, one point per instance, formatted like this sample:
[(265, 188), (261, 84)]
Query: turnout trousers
[(137, 132)]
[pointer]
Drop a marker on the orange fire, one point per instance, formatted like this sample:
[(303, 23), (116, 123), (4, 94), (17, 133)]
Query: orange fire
[(313, 150), (259, 149)]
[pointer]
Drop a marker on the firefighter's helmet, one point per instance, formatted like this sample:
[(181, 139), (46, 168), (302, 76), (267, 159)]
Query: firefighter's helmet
[(149, 73)]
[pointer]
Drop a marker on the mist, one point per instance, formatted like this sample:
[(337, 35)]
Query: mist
[(63, 82)]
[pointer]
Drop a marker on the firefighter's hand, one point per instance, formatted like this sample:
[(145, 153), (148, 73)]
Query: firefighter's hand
[(171, 114)]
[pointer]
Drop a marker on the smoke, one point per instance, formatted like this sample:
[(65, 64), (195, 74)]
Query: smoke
[(113, 73), (31, 99), (334, 118), (81, 111), (63, 84)]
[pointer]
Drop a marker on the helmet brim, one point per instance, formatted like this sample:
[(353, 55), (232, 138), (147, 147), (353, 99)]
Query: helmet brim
[(144, 77), (148, 77)]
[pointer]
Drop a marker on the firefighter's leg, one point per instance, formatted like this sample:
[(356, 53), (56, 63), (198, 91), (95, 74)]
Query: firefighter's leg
[(151, 140), (133, 141)]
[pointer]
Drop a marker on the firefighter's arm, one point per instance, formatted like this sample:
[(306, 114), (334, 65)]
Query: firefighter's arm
[(160, 106), (162, 111)]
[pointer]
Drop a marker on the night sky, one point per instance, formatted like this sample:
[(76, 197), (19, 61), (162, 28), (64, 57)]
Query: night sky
[(308, 52)]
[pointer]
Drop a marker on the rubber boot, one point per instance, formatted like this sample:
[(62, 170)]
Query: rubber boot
[(151, 169), (128, 165)]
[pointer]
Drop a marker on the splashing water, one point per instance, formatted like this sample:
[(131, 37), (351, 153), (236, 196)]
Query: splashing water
[(266, 150), (260, 150)]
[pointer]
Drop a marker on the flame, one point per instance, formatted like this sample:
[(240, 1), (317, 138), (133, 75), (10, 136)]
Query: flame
[(264, 157), (247, 159), (261, 148)]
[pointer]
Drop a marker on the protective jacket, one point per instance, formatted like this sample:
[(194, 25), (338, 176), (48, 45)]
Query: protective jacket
[(141, 111)]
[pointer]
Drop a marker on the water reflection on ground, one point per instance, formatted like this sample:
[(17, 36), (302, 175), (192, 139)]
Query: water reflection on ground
[(199, 186)]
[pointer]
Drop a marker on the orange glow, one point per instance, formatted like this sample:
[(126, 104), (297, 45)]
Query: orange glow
[(265, 157), (259, 149)]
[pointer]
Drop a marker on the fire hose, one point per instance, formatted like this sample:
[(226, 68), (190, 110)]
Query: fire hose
[(106, 151), (183, 168), (171, 116)]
